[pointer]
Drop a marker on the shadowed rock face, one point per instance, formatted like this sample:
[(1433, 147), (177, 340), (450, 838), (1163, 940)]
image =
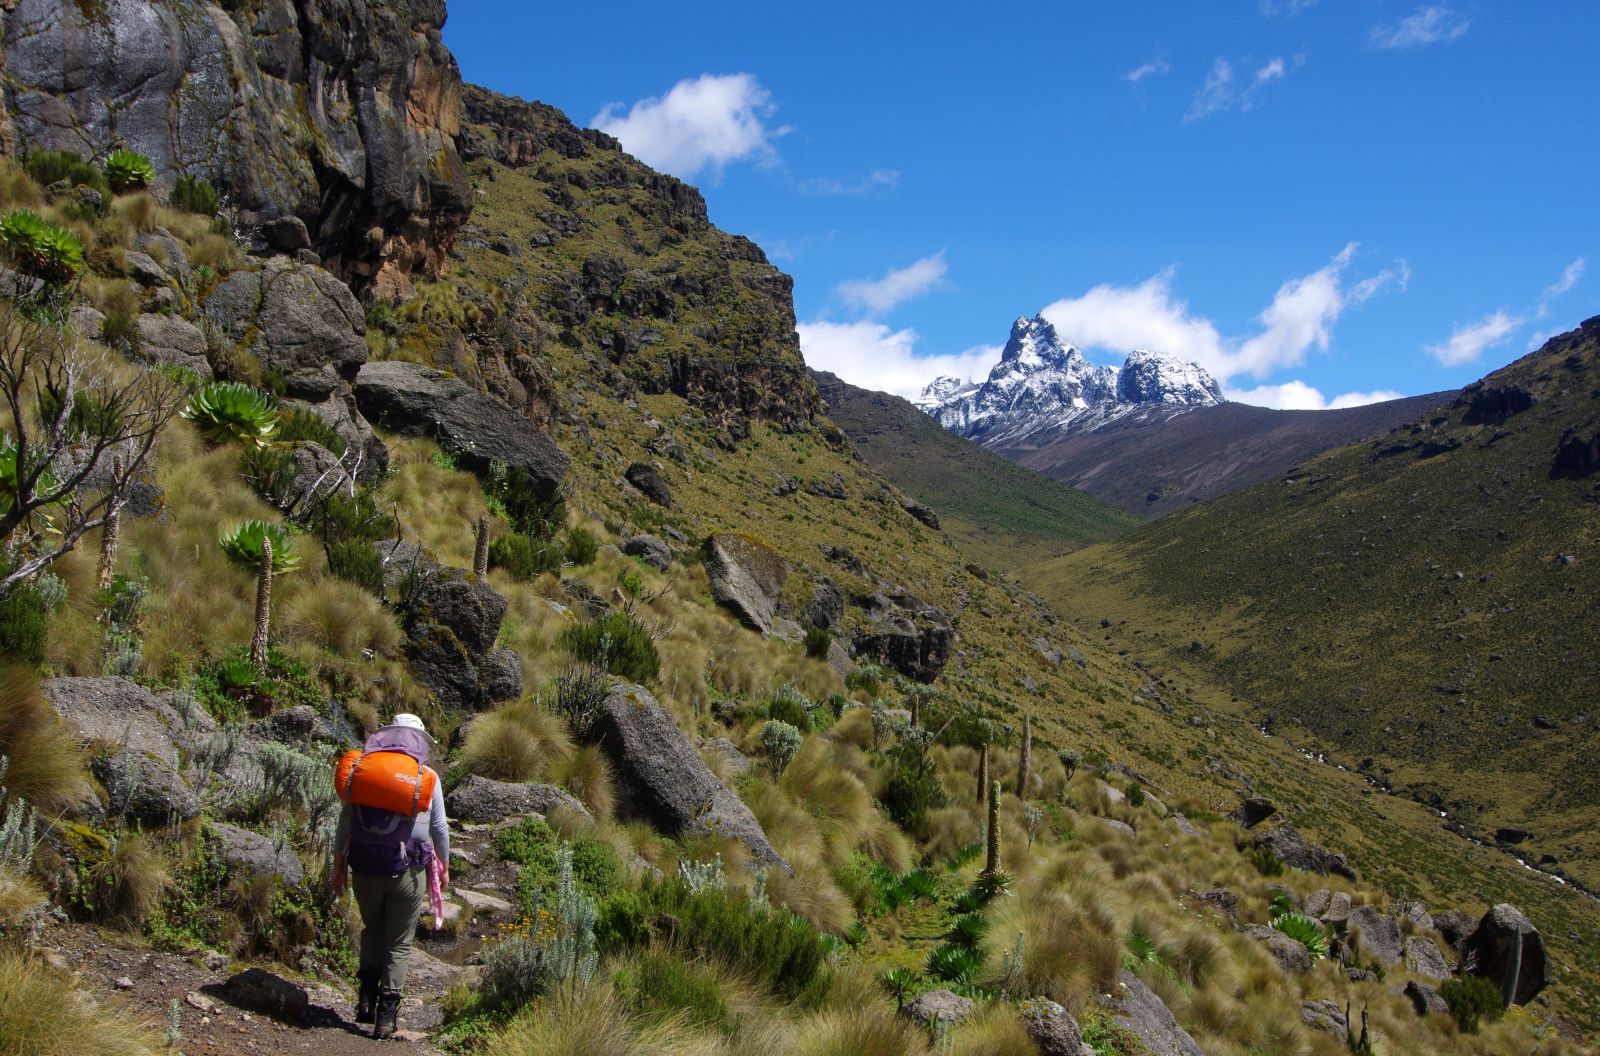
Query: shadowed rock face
[(342, 113)]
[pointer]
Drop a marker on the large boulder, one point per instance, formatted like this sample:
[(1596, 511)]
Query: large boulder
[(1285, 843), (1053, 1029), (662, 779), (1253, 812), (826, 608), (1508, 950), (141, 741), (1328, 1017), (339, 411), (651, 484), (419, 401), (296, 319), (452, 620), (946, 1006), (1425, 999), (261, 991), (479, 799), (1290, 955), (1423, 958), (1136, 1009), (906, 633), (747, 576), (249, 852), (1379, 935), (235, 92), (650, 549), (173, 341)]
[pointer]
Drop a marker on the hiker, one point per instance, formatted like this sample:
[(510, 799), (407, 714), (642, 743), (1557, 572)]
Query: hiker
[(394, 837)]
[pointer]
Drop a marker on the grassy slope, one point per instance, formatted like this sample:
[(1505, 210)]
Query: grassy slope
[(1000, 515), (1409, 609), (1397, 842)]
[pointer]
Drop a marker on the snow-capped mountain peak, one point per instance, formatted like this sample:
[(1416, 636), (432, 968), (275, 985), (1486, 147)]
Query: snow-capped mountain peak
[(1042, 382)]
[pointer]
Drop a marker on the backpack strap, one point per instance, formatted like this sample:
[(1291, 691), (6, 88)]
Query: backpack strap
[(416, 792)]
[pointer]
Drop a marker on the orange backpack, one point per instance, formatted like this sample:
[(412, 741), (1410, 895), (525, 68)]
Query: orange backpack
[(391, 781)]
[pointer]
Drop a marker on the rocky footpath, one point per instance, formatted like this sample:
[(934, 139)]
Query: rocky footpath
[(339, 117)]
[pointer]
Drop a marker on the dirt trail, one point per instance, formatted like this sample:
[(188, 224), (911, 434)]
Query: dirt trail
[(212, 1020)]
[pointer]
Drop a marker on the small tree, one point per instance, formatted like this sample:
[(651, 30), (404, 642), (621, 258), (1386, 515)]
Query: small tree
[(1070, 761), (77, 438), (780, 742), (269, 549)]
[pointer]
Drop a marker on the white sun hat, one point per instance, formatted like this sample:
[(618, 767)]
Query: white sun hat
[(407, 721)]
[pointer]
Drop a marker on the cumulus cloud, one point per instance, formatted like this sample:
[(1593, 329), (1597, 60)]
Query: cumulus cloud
[(700, 125), (1225, 90), (1298, 396), (1300, 317), (1468, 341), (1429, 24), (876, 180), (1154, 68), (899, 285), (876, 357)]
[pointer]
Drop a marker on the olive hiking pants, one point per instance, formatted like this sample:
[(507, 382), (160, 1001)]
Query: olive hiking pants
[(390, 907)]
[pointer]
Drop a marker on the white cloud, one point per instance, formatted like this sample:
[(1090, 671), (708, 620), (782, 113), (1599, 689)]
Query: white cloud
[(1298, 396), (1285, 8), (1469, 341), (1301, 316), (1428, 24), (877, 179), (1569, 278), (701, 124), (1154, 68), (875, 357), (1223, 91), (899, 285)]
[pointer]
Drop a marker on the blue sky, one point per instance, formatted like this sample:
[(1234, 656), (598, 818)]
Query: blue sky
[(1319, 200)]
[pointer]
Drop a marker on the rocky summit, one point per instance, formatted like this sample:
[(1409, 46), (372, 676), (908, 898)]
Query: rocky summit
[(1041, 385)]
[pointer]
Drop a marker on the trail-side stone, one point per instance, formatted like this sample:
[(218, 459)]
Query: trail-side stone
[(482, 902), (481, 800), (294, 318), (946, 1006), (1136, 1009), (260, 991), (1253, 812), (1423, 958), (1492, 951), (142, 739), (172, 340), (418, 401), (1285, 843), (650, 549), (1290, 955), (1425, 999), (251, 852), (339, 411), (747, 576), (661, 778), (906, 633), (1052, 1028), (1379, 935), (1327, 1017), (651, 484)]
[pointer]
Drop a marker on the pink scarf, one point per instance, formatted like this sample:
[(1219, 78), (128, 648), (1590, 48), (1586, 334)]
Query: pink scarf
[(436, 890)]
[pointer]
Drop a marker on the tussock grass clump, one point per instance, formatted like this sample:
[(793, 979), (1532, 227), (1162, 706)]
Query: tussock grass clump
[(127, 885), (586, 773), (42, 1013), (44, 765), (517, 742)]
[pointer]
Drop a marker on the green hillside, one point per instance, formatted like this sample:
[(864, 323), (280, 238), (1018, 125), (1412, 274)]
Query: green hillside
[(997, 513), (1423, 605)]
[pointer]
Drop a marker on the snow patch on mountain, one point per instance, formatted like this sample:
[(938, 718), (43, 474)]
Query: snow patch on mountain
[(1042, 384)]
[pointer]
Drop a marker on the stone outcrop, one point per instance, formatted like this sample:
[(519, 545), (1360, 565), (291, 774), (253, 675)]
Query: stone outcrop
[(1379, 935), (662, 779), (1285, 843), (419, 401), (250, 852), (650, 549), (1136, 1009), (296, 319), (906, 633), (1253, 812), (1052, 1028), (747, 576), (945, 1005), (651, 484), (142, 739), (1423, 958), (341, 114), (1508, 950), (1290, 955)]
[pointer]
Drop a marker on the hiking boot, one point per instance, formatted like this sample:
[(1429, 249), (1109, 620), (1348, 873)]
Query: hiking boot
[(388, 1015), (367, 997)]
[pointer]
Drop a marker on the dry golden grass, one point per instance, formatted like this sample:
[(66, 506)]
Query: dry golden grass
[(516, 742), (42, 1013), (129, 881), (587, 774), (44, 763), (20, 899), (856, 1031), (996, 1030), (17, 188), (339, 616), (596, 1024)]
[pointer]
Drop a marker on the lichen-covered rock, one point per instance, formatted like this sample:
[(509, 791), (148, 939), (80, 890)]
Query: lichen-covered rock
[(244, 851), (1327, 1017), (1136, 1009), (747, 576), (826, 609), (1508, 950), (296, 319), (480, 800), (173, 341), (1052, 1028), (1285, 843), (945, 1005), (234, 93), (1425, 999), (419, 401), (1423, 958), (339, 411), (650, 549), (906, 633), (143, 738), (1379, 935), (661, 778)]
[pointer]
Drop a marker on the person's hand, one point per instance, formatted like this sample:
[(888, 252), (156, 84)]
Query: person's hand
[(444, 879), (337, 881)]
